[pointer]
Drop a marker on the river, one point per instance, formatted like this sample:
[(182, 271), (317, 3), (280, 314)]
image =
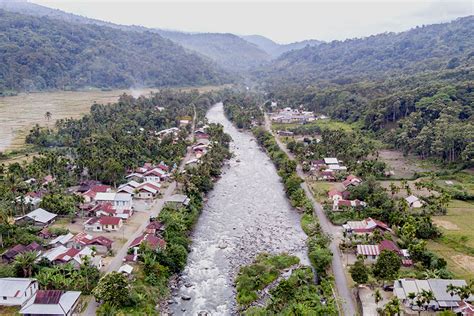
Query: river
[(246, 213)]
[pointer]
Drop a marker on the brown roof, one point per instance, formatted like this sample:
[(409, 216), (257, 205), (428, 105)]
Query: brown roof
[(110, 220), (48, 296)]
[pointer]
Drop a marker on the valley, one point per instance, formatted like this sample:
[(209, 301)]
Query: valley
[(275, 166)]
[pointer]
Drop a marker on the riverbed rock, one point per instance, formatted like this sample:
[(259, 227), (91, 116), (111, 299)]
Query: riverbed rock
[(186, 298), (188, 284)]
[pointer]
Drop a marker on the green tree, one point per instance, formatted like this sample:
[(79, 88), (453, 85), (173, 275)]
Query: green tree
[(387, 266), (112, 289), (359, 272), (26, 262)]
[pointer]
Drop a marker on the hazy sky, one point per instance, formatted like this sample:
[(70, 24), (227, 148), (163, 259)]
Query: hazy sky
[(282, 21)]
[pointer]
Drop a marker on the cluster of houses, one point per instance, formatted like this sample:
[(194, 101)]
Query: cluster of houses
[(289, 115), (326, 169), (68, 248), (200, 147), (340, 199), (443, 299), (25, 293), (372, 252)]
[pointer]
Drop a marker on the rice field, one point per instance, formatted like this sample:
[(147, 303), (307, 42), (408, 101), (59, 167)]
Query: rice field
[(19, 113)]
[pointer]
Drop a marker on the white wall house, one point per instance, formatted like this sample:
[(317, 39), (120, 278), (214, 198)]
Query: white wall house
[(17, 291)]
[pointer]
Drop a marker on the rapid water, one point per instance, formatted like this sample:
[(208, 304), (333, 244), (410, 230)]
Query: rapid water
[(246, 213)]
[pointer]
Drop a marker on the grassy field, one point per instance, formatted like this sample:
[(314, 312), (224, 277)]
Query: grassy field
[(404, 167), (320, 188), (457, 243), (19, 113), (329, 124)]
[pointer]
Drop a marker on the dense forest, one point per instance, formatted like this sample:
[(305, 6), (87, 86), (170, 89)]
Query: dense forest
[(275, 49), (426, 48), (43, 53), (228, 50), (421, 104)]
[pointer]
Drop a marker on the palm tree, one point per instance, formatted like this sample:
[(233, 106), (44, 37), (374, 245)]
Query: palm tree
[(411, 296), (26, 262), (451, 289), (48, 115), (392, 307)]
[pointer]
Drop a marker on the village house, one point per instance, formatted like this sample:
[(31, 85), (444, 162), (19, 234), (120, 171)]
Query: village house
[(62, 240), (52, 302), (414, 202), (126, 269), (177, 201), (366, 226), (120, 201), (443, 300), (153, 241), (104, 223), (47, 180), (63, 255), (340, 204), (289, 115), (372, 252), (200, 134), (38, 217), (100, 243), (90, 194), (107, 209), (351, 180), (155, 175), (16, 291), (31, 198), (10, 254), (155, 228)]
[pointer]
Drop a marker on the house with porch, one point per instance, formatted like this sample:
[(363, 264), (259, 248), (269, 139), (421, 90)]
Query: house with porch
[(17, 291), (52, 302)]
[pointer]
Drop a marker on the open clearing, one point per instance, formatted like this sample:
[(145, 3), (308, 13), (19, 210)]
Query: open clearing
[(323, 124), (457, 243), (19, 113), (402, 166)]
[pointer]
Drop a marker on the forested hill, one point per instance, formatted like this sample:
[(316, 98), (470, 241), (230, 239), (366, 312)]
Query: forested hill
[(228, 50), (275, 49), (42, 53), (427, 48)]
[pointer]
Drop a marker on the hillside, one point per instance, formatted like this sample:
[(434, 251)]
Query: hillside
[(412, 90), (274, 49), (427, 48), (228, 50), (43, 53)]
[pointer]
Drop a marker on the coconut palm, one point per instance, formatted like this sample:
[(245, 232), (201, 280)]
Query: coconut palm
[(392, 307), (48, 115), (451, 289), (26, 262)]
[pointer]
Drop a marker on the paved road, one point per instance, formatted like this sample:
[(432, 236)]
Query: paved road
[(348, 305)]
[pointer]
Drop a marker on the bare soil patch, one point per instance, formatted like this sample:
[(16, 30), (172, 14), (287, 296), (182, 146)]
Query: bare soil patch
[(402, 166), (445, 224), (465, 261)]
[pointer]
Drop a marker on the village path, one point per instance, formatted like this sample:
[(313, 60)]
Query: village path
[(338, 269), (155, 209)]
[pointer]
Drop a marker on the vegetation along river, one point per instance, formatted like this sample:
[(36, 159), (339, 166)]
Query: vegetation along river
[(246, 213)]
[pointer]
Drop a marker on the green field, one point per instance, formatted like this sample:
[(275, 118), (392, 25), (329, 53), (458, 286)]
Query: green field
[(324, 124), (457, 243)]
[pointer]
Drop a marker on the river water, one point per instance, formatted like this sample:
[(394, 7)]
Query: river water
[(246, 213)]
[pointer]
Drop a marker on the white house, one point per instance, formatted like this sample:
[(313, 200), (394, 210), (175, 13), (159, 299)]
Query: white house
[(414, 202), (16, 291), (120, 201), (52, 302)]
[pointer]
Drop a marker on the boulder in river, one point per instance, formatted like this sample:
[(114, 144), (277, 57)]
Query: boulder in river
[(186, 297)]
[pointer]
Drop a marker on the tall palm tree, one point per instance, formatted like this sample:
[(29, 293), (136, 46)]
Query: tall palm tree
[(26, 262), (48, 115), (451, 289)]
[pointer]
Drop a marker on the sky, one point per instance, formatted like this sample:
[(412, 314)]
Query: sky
[(282, 21)]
